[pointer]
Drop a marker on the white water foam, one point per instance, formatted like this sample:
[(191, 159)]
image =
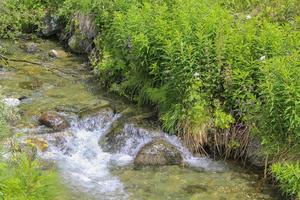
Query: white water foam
[(83, 165), (135, 138), (11, 102)]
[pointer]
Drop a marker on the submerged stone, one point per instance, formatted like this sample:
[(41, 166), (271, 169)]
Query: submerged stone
[(255, 154), (158, 153), (94, 109), (31, 85), (30, 47), (193, 189), (54, 120)]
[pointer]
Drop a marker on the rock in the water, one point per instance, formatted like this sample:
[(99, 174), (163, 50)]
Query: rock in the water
[(255, 154), (54, 120), (158, 153), (30, 47), (57, 54), (53, 53)]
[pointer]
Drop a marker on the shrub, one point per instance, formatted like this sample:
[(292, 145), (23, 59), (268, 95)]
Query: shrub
[(20, 15), (288, 176), (280, 89)]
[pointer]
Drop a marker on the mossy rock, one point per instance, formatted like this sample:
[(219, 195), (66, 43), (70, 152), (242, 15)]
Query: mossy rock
[(158, 153), (79, 43)]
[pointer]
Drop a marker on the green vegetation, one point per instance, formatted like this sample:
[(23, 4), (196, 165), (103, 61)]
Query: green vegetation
[(21, 175), (288, 176), (229, 63)]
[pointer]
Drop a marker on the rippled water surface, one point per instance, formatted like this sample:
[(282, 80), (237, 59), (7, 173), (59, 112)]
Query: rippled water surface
[(81, 154)]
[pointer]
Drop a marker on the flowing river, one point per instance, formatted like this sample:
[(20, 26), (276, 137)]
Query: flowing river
[(95, 155)]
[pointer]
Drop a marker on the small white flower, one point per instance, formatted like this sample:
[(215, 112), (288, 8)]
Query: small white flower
[(248, 17), (196, 74), (262, 58)]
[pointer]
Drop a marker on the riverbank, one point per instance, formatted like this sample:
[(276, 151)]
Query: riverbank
[(214, 109)]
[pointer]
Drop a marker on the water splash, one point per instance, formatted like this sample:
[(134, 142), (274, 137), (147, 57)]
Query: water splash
[(135, 138), (84, 164)]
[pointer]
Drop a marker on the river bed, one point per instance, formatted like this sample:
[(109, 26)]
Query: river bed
[(87, 167)]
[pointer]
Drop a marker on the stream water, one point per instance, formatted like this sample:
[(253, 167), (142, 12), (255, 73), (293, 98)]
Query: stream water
[(90, 165)]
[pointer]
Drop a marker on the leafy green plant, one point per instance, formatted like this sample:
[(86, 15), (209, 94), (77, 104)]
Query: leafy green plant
[(20, 16), (288, 176)]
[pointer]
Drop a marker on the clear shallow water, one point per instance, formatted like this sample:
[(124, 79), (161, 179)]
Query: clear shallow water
[(85, 168)]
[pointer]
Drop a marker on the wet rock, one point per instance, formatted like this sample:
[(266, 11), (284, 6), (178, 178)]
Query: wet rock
[(83, 34), (158, 153), (57, 54), (79, 43), (53, 53), (52, 25), (255, 153), (30, 47), (54, 120)]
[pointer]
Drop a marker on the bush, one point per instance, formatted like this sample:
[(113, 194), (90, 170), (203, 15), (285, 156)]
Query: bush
[(198, 64), (23, 179), (280, 89), (288, 176), (20, 15)]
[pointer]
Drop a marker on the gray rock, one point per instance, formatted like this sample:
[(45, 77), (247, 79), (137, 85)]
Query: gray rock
[(255, 153), (30, 47), (54, 120), (158, 153), (83, 34), (79, 43), (52, 25)]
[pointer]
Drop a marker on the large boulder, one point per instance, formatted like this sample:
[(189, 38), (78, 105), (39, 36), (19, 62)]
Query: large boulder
[(83, 34), (255, 154), (158, 153), (52, 25), (54, 120)]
